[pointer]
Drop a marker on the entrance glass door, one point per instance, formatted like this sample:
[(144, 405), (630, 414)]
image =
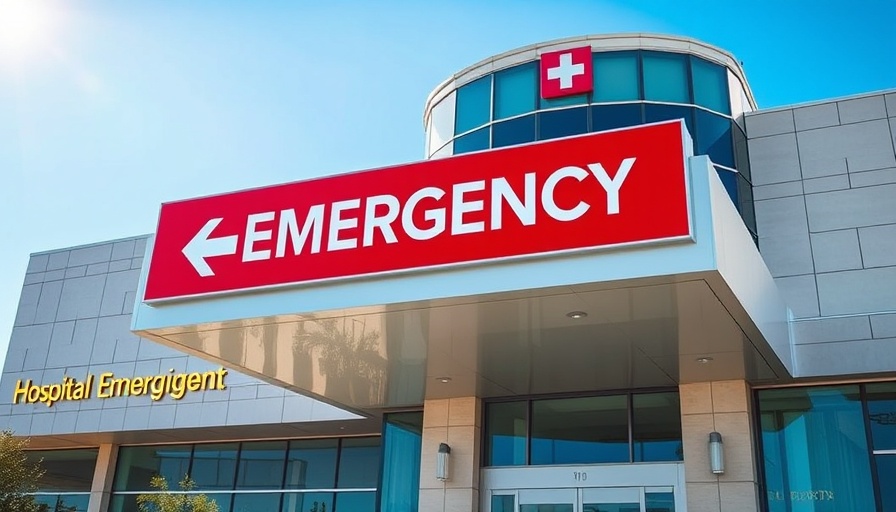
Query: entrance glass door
[(614, 499), (624, 499), (548, 500)]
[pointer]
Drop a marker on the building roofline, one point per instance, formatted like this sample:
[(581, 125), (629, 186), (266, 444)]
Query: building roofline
[(812, 103)]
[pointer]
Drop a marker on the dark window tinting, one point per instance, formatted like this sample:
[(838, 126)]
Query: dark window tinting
[(357, 457), (616, 76), (714, 138), (656, 427), (261, 465), (659, 502), (303, 502), (63, 502), (506, 431), (214, 466), (882, 415), (580, 430), (256, 502), (138, 464), (562, 123), (312, 464), (516, 90), (657, 113), (813, 440), (710, 85), (666, 77), (356, 502), (609, 117), (65, 470), (473, 105), (514, 131), (729, 179), (474, 141)]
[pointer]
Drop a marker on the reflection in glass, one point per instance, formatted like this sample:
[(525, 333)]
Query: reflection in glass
[(514, 131), (62, 502), (256, 501), (714, 138), (356, 502), (261, 465), (357, 462), (515, 90), (710, 85), (138, 464), (814, 445), (580, 430), (402, 440), (616, 76), (502, 503), (659, 502), (312, 464), (562, 123), (882, 415), (214, 466), (473, 102), (505, 432), (65, 470), (609, 117), (473, 141), (307, 502), (656, 428), (665, 77)]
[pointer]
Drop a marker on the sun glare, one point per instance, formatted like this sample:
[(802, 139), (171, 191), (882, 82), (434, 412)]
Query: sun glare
[(25, 25)]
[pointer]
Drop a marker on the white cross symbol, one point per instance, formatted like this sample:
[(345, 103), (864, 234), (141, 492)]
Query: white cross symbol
[(566, 71)]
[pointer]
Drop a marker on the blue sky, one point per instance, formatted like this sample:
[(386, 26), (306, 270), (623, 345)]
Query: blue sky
[(116, 106)]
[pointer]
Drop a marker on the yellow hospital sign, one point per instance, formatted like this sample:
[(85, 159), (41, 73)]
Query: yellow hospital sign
[(175, 385)]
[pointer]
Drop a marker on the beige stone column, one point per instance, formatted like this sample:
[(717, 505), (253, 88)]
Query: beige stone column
[(101, 488), (457, 422), (723, 407)]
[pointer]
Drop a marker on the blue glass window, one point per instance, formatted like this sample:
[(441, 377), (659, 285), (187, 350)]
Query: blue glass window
[(666, 77), (256, 501), (729, 179), (261, 465), (138, 464), (505, 432), (356, 502), (402, 441), (656, 427), (710, 85), (657, 113), (303, 502), (356, 458), (214, 466), (562, 123), (473, 141), (609, 117), (745, 203), (473, 105), (516, 90), (814, 444), (563, 101), (741, 156), (714, 138), (616, 76), (311, 464), (580, 430), (514, 131)]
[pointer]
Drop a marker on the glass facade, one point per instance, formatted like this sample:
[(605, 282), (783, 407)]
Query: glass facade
[(65, 486), (336, 475), (829, 448), (630, 88), (641, 427), (402, 445)]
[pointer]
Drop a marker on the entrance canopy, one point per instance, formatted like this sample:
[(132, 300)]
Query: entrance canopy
[(608, 261)]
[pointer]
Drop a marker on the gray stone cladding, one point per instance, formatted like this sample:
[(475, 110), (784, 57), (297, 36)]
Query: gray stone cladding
[(824, 177), (74, 319)]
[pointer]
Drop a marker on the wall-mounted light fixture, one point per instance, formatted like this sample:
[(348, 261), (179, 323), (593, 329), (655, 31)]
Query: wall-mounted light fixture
[(716, 454), (442, 461)]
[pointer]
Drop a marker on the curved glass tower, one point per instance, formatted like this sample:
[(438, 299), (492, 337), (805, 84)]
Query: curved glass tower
[(637, 79)]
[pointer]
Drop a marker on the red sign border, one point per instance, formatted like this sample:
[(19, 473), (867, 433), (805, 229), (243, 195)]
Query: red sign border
[(685, 139)]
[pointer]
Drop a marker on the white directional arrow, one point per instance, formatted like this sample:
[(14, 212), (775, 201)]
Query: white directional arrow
[(202, 247)]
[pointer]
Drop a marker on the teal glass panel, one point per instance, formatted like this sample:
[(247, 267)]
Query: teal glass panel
[(312, 464), (138, 464), (214, 466), (256, 501), (359, 463), (475, 141), (714, 137), (62, 502), (563, 101), (516, 90), (473, 105), (609, 117), (611, 507), (261, 465), (562, 123), (505, 434), (402, 441), (656, 427), (710, 85), (65, 470), (128, 502), (580, 430), (882, 415), (356, 502), (616, 76), (503, 503), (545, 507), (666, 77), (659, 502), (515, 131), (886, 475), (815, 450), (307, 502)]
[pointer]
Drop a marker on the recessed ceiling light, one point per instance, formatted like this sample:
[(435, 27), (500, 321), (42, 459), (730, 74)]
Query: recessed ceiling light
[(443, 379), (703, 360), (575, 315)]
